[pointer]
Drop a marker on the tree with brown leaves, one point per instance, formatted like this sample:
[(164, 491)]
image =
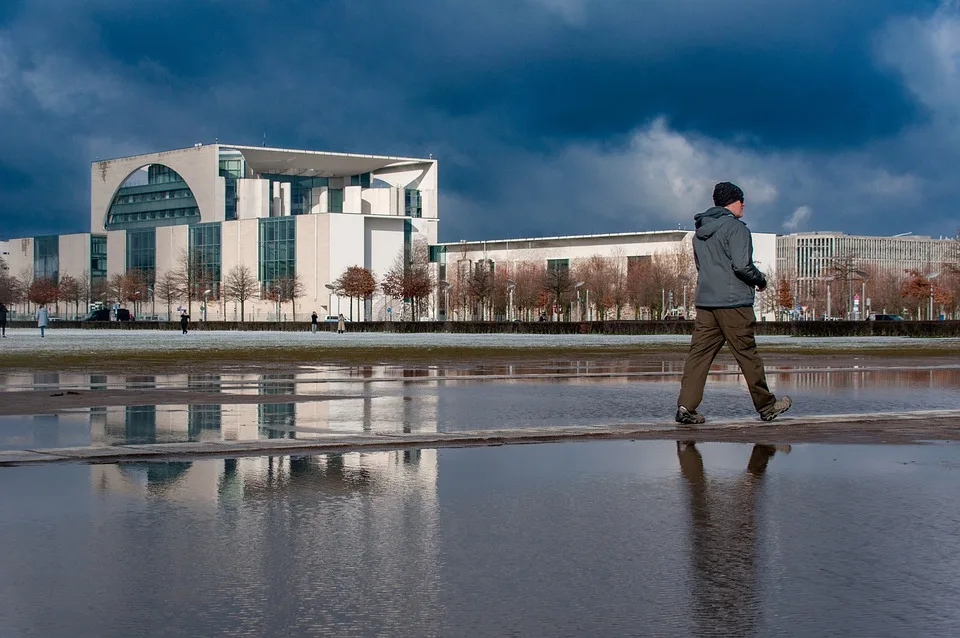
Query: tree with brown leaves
[(43, 291), (356, 282), (917, 289)]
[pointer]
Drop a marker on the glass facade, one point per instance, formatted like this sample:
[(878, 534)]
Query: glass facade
[(362, 180), (335, 200), (276, 420), (205, 257), (46, 257), (412, 203), (301, 190), (278, 248), (231, 169), (165, 200), (559, 265), (142, 253)]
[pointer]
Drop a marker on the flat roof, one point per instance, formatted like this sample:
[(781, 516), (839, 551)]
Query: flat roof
[(319, 163), (679, 233), (285, 161)]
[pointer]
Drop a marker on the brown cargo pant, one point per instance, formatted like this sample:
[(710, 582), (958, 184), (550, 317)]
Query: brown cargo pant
[(714, 327)]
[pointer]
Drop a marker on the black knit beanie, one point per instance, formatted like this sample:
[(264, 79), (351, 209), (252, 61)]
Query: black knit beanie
[(726, 193)]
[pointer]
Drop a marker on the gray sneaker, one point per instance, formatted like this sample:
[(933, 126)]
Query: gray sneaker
[(779, 406), (688, 417)]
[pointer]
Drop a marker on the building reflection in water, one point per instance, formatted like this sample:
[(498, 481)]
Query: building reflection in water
[(330, 528), (723, 543), (353, 407)]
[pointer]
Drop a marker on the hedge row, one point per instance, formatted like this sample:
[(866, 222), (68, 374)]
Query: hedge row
[(796, 328)]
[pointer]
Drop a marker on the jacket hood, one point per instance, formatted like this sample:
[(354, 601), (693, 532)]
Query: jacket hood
[(710, 220)]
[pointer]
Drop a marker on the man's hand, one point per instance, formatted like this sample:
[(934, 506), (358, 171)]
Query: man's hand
[(762, 286)]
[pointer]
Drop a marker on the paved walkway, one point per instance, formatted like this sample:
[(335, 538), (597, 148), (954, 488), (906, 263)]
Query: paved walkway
[(886, 427)]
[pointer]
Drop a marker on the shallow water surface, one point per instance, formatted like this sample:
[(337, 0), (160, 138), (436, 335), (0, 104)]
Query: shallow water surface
[(603, 538), (395, 399)]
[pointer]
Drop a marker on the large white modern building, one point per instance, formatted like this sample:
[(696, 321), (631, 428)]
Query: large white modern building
[(280, 212), (275, 211)]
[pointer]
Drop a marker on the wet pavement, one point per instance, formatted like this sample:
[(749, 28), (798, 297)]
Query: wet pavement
[(602, 538), (110, 410)]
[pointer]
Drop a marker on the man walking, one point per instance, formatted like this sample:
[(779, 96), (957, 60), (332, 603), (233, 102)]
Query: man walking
[(313, 322), (3, 321), (727, 277), (184, 319)]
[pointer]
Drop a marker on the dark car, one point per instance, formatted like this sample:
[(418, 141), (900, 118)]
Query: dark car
[(886, 317), (104, 315)]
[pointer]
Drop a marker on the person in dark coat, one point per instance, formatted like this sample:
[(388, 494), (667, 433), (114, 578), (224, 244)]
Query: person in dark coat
[(184, 318), (726, 280), (313, 322), (3, 321)]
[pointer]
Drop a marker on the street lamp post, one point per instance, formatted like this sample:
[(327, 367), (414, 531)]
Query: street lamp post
[(930, 278), (828, 280), (329, 298), (576, 287), (206, 302), (511, 284), (445, 287)]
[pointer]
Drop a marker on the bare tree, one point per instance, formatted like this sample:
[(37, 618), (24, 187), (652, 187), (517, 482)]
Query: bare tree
[(410, 281), (529, 295), (70, 291), (167, 288), (558, 284), (290, 288), (240, 285)]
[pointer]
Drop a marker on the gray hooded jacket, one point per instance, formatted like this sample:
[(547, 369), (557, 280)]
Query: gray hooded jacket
[(723, 250)]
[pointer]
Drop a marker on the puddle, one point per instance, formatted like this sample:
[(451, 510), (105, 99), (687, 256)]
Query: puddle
[(604, 539), (387, 399)]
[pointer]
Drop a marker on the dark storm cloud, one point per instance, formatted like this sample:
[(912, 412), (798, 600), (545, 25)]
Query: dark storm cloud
[(521, 100)]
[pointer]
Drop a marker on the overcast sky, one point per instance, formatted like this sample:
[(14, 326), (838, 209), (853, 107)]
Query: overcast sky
[(548, 117)]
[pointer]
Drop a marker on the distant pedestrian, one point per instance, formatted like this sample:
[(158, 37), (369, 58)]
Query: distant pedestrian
[(313, 322), (184, 319), (3, 321), (341, 324), (727, 277), (43, 318)]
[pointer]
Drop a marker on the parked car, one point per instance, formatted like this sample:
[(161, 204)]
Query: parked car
[(334, 319), (881, 317), (103, 314)]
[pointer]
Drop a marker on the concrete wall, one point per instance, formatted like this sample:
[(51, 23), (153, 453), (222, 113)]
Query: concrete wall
[(75, 256), (171, 240), (116, 253), (20, 259), (198, 166), (313, 263), (253, 198)]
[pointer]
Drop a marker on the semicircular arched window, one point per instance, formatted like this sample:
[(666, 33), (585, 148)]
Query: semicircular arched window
[(153, 195)]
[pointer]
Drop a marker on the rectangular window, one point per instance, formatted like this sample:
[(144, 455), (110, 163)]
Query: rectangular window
[(142, 252), (46, 257), (412, 203), (278, 249), (335, 200), (559, 265), (98, 259), (205, 258)]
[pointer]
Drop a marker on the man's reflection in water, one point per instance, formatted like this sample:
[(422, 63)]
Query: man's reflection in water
[(723, 537)]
